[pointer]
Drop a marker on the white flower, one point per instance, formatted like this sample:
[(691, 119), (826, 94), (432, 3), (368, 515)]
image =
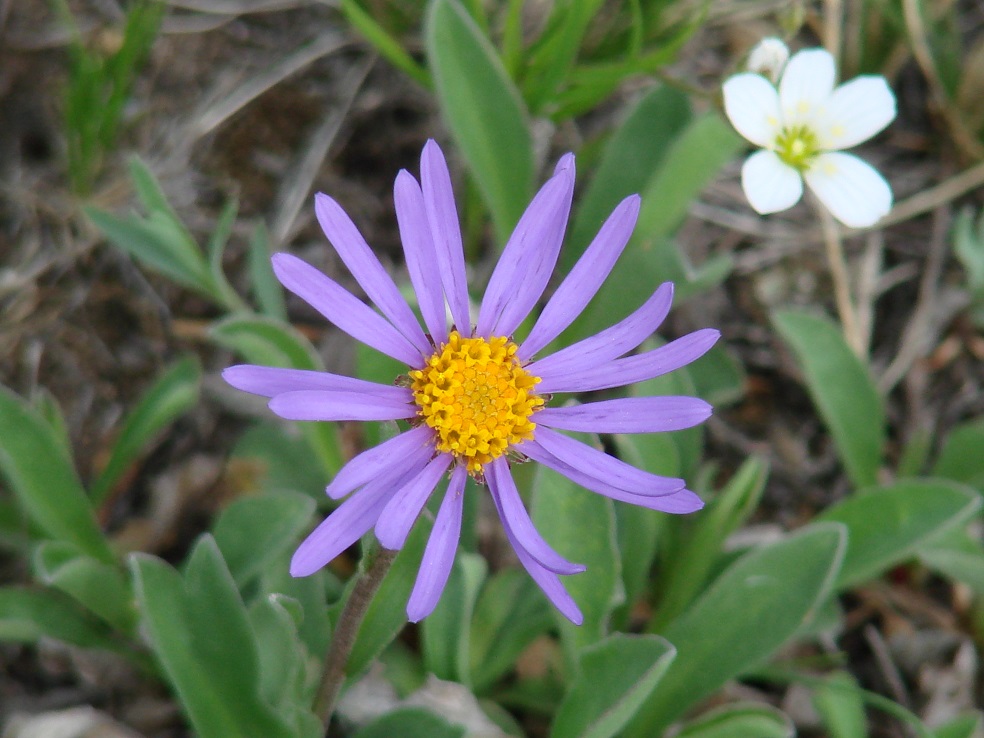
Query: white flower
[(768, 57), (802, 128)]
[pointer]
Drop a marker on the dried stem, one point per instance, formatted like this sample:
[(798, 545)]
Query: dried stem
[(842, 286), (343, 639)]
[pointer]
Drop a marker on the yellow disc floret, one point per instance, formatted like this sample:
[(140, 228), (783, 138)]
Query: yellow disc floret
[(476, 396)]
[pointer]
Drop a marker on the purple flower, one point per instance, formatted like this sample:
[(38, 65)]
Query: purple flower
[(475, 399)]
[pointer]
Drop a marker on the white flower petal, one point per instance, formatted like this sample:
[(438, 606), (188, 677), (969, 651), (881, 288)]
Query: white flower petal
[(806, 83), (752, 105), (855, 112), (769, 184), (852, 190)]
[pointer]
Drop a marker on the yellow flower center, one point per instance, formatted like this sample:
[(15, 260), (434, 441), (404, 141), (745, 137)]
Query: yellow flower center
[(476, 396), (797, 146)]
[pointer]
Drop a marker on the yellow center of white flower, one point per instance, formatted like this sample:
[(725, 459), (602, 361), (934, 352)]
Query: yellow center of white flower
[(797, 146), (476, 396)]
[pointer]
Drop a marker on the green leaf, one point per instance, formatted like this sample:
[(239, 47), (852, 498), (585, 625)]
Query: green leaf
[(628, 161), (508, 617), (387, 614), (279, 649), (201, 634), (956, 555), (960, 458), (278, 457), (553, 55), (964, 726), (265, 341), (695, 557), (385, 44), (842, 390), (887, 525), (483, 109), (411, 722), (446, 631), (254, 531), (580, 525), (742, 721), (614, 678), (841, 706), (95, 585), (172, 395), (696, 155), (767, 595), (27, 615), (41, 475), (269, 294), (719, 376)]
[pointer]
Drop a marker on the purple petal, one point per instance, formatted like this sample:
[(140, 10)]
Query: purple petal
[(418, 248), (517, 520), (346, 525), (325, 405), (598, 465), (402, 510), (529, 257), (584, 279), (611, 342), (630, 369), (269, 381), (343, 309), (351, 520), (438, 559), (681, 501), (443, 218), (549, 582), (628, 415), (367, 270), (414, 443)]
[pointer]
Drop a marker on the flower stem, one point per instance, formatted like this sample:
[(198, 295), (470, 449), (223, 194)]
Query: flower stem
[(343, 639), (842, 287)]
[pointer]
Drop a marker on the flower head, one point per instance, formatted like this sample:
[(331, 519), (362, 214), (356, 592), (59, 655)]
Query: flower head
[(802, 128), (768, 57), (474, 398)]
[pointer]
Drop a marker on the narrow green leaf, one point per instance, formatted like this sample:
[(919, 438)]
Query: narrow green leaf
[(95, 585), (280, 458), (960, 458), (614, 678), (887, 525), (41, 475), (767, 594), (254, 531), (508, 617), (483, 109), (964, 726), (446, 631), (27, 615), (956, 555), (580, 525), (262, 340), (266, 288), (695, 557), (842, 389), (387, 614), (385, 44), (410, 722), (841, 706), (172, 395), (554, 53), (628, 161), (742, 721), (281, 654)]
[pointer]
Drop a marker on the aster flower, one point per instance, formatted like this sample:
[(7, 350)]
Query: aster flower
[(803, 128), (474, 398)]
